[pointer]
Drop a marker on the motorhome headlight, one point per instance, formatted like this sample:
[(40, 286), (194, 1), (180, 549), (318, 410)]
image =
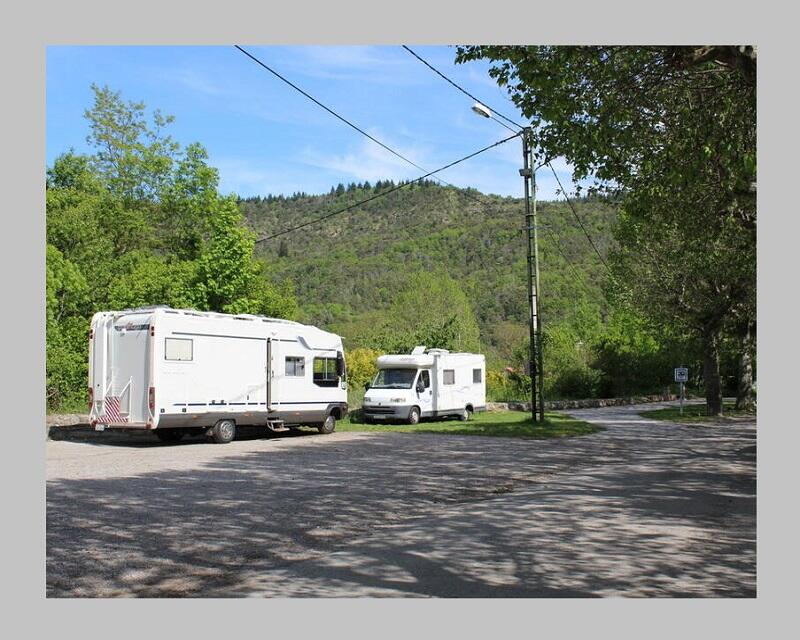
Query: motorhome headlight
[(397, 400), (367, 400)]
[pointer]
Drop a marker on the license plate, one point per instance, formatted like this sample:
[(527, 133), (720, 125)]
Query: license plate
[(99, 427)]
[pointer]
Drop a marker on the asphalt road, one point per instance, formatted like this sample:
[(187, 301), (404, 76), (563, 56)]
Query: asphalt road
[(641, 509)]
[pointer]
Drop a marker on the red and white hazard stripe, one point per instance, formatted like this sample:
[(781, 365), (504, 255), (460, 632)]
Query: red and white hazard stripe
[(112, 410)]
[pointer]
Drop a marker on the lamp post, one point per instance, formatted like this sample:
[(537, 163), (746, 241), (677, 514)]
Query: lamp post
[(528, 173)]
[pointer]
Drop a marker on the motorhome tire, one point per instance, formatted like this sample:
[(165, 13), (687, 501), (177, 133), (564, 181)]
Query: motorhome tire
[(413, 415), (329, 425), (169, 435), (223, 432)]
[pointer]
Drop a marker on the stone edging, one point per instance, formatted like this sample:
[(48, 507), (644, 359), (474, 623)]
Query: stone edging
[(590, 403)]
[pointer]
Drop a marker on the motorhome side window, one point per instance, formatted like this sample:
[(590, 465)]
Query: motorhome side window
[(179, 349), (325, 372), (449, 376), (425, 378), (476, 376), (295, 366)]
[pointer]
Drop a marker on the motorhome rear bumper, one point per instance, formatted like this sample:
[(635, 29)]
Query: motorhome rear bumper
[(102, 426)]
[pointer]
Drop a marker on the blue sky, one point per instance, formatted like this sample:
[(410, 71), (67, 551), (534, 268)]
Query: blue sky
[(264, 137)]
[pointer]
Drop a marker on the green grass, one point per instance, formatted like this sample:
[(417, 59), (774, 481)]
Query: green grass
[(695, 413), (504, 424)]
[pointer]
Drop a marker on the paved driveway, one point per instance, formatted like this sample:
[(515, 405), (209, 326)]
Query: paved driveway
[(641, 509)]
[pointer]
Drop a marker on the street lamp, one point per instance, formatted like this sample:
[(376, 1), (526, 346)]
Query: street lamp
[(528, 173), (481, 110)]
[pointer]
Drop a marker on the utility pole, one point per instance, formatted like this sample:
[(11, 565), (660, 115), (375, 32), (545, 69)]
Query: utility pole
[(528, 173)]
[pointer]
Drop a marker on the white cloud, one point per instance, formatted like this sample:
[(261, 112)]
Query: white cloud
[(368, 161), (246, 177), (346, 57), (197, 82), (192, 80), (366, 64)]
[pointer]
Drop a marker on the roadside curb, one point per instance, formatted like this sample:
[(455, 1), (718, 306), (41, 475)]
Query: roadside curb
[(591, 403), (66, 425)]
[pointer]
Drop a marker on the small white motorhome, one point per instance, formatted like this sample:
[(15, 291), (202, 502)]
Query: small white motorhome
[(177, 371), (426, 384)]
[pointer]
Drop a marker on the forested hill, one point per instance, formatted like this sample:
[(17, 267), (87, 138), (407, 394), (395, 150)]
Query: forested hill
[(349, 270)]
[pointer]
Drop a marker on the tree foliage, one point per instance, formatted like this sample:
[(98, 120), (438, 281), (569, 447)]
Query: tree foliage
[(140, 222), (672, 131)]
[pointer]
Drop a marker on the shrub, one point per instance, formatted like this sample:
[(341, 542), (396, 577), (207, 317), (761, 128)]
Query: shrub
[(361, 367)]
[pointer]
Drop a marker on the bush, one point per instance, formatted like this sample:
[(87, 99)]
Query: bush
[(575, 382), (507, 386), (361, 369)]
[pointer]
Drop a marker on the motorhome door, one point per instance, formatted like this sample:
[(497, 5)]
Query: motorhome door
[(280, 364), (423, 392)]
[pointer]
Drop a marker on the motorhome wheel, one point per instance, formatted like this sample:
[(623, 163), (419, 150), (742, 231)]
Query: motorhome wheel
[(329, 425), (413, 415), (223, 432)]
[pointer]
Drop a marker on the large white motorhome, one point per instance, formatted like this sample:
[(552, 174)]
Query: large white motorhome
[(426, 384), (178, 370)]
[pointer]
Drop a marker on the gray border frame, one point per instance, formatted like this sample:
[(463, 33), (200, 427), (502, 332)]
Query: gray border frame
[(31, 27)]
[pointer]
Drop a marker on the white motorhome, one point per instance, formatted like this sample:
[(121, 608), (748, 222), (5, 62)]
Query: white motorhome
[(426, 383), (177, 371)]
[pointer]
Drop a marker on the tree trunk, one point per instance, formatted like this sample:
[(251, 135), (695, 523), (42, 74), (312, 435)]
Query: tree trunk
[(744, 389), (711, 373)]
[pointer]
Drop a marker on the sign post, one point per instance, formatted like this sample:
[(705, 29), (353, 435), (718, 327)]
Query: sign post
[(681, 377)]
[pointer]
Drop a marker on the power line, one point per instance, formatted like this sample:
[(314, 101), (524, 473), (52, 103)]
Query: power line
[(555, 239), (342, 118), (385, 146), (467, 93), (334, 114), (385, 193), (460, 88), (580, 222), (350, 124), (557, 243), (328, 109)]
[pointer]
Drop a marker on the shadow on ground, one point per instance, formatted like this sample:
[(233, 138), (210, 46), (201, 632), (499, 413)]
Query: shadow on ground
[(633, 511)]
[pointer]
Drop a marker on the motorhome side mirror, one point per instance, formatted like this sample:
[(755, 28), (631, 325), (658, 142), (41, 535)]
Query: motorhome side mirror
[(420, 386), (366, 386), (339, 364)]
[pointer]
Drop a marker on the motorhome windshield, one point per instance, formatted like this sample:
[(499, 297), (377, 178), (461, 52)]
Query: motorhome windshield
[(394, 379)]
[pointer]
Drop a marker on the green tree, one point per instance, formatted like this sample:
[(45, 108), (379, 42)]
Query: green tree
[(140, 222), (672, 129), (188, 202), (228, 278), (146, 279), (66, 294), (133, 157), (431, 310)]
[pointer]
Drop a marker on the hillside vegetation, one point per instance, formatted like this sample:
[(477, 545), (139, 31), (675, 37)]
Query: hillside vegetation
[(358, 262), (141, 221), (442, 266)]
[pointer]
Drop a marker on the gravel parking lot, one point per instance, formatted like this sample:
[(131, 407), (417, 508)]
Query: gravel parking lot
[(643, 508)]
